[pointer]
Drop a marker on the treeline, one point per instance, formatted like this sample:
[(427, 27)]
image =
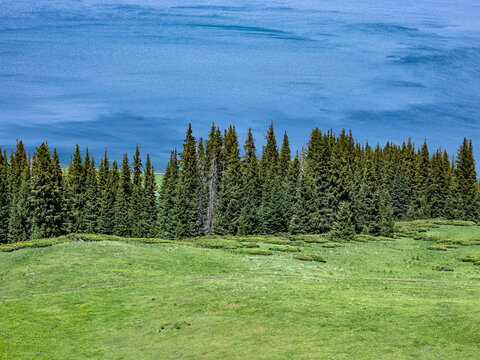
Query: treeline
[(335, 185)]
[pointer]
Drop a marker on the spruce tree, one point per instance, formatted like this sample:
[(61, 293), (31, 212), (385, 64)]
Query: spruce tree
[(106, 219), (123, 208), (4, 198), (188, 187), (343, 229), (230, 196), (139, 223), (386, 221), (214, 167), (91, 209), (74, 193), (466, 177), (250, 221), (150, 207), (45, 196), (18, 194), (202, 196), (168, 191), (271, 209), (20, 220)]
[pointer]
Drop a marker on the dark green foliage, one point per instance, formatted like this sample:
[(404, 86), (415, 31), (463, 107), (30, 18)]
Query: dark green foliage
[(271, 209), (137, 211), (343, 229), (74, 193), (90, 213), (111, 178), (311, 257), (229, 202), (122, 209), (466, 178), (386, 221), (20, 222), (249, 220), (150, 205), (335, 187), (188, 187), (166, 220), (4, 198), (46, 194), (284, 249)]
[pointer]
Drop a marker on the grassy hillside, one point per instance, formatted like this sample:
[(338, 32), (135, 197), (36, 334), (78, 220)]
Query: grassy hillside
[(131, 300)]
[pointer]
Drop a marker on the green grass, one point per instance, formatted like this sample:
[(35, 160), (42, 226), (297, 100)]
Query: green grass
[(128, 299)]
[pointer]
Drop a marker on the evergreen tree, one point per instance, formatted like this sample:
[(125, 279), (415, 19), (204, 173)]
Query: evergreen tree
[(466, 178), (150, 207), (19, 226), (271, 209), (386, 221), (343, 229), (74, 194), (139, 223), (45, 196), (168, 191), (106, 219), (214, 166), (250, 221), (230, 195), (186, 201), (202, 195), (4, 198), (18, 193), (123, 208), (91, 208)]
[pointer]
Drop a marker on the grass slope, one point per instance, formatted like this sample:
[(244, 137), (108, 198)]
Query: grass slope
[(130, 300)]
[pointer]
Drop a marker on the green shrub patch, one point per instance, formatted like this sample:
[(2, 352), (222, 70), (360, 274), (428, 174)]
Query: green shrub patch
[(257, 252), (285, 249), (311, 257), (331, 245), (437, 247)]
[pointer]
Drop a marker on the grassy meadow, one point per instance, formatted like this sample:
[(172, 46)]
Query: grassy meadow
[(104, 297)]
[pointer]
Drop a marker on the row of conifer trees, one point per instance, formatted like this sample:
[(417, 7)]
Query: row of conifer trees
[(335, 184)]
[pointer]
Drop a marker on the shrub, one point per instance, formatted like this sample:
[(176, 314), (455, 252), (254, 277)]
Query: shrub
[(300, 243), (257, 252), (437, 247), (216, 243), (450, 246), (309, 238), (250, 245), (312, 257), (469, 259), (285, 249), (277, 241), (476, 262), (443, 268), (331, 245), (34, 243)]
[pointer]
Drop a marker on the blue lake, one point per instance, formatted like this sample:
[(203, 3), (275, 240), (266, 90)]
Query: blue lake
[(116, 73)]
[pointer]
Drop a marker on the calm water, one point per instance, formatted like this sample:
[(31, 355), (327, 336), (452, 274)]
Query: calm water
[(113, 73)]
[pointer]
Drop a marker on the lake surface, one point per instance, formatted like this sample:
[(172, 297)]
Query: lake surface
[(116, 73)]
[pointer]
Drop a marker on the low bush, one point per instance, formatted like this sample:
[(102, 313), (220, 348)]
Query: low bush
[(216, 243), (469, 259), (34, 243), (443, 268), (437, 247), (309, 238), (250, 245), (285, 249), (257, 252), (331, 245), (276, 241), (312, 257)]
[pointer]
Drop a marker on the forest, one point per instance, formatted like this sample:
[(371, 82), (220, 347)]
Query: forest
[(334, 185)]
